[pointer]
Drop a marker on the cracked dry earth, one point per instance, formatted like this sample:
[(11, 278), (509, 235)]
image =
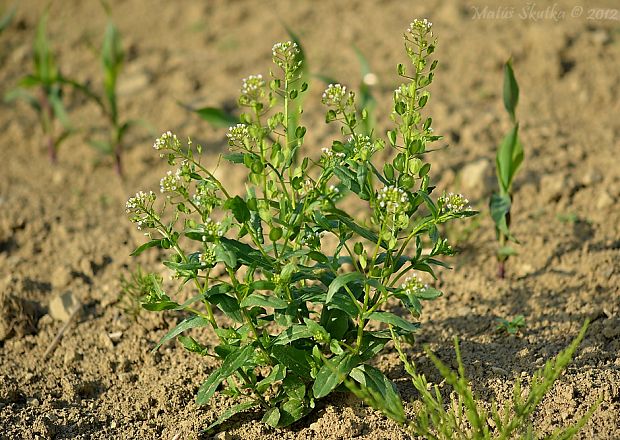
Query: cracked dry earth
[(63, 228)]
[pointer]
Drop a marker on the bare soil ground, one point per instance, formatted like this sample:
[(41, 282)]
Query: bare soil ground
[(63, 228)]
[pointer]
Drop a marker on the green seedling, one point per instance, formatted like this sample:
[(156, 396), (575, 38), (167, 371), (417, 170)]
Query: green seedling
[(508, 161), (511, 327), (112, 58), (135, 290), (463, 416), (47, 99), (298, 278)]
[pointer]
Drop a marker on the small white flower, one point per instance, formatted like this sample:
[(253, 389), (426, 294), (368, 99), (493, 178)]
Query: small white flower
[(213, 229), (413, 285), (330, 155), (237, 134), (393, 199), (140, 201), (170, 182), (285, 54), (334, 95), (453, 203), (167, 141), (420, 25), (252, 84)]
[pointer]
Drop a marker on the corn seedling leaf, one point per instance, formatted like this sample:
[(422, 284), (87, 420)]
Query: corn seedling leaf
[(511, 90), (216, 117)]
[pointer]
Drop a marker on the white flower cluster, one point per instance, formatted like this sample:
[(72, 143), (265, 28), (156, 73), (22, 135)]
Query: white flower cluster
[(140, 205), (393, 199), (363, 147), (138, 202), (331, 156), (213, 229), (333, 95), (306, 187), (167, 141), (237, 134), (284, 55), (205, 196), (252, 85), (413, 285), (207, 257), (171, 182), (453, 202), (419, 25)]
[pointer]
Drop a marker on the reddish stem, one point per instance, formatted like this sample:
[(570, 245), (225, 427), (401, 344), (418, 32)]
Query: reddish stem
[(51, 150), (118, 164)]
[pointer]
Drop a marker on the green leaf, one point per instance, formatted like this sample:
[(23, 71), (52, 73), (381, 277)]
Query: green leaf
[(236, 360), (209, 387), (112, 57), (506, 251), (381, 389), (228, 305), (59, 109), (428, 293), (371, 346), (509, 151), (293, 333), (225, 256), (390, 318), (256, 299), (145, 246), (239, 209), (186, 324), (271, 417), (246, 254), (293, 387), (333, 373), (103, 146), (230, 412), (235, 157), (511, 90), (190, 344), (19, 93), (291, 411), (429, 202), (217, 117), (277, 373), (341, 281), (336, 322), (294, 359), (500, 207), (517, 157), (360, 230), (44, 62), (160, 305)]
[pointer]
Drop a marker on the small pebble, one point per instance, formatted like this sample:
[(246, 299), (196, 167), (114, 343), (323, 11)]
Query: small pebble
[(61, 306)]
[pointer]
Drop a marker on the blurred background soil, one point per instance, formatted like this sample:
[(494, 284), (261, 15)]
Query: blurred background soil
[(63, 228)]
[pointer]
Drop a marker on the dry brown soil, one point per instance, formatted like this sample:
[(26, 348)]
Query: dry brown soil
[(63, 228)]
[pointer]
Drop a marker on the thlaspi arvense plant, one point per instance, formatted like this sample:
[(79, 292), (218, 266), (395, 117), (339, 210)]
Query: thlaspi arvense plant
[(304, 285)]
